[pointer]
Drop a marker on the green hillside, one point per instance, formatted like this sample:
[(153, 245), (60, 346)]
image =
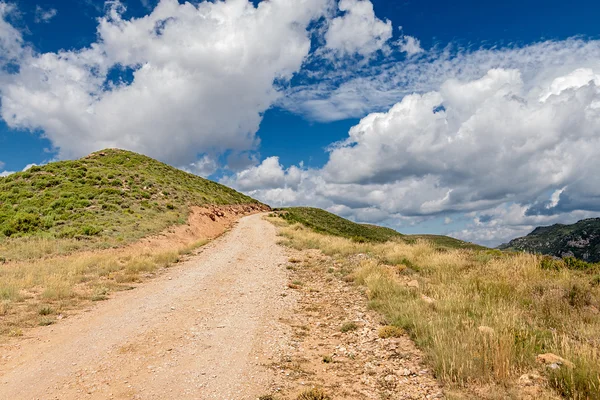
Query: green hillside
[(325, 222), (111, 194), (580, 240)]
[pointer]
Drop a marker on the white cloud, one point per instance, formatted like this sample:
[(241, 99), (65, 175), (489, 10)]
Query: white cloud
[(339, 95), (11, 41), (410, 45), (204, 166), (358, 30), (270, 174), (7, 173), (495, 147), (44, 15), (202, 76)]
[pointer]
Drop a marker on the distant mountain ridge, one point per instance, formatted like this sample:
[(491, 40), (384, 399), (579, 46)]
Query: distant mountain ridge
[(580, 240)]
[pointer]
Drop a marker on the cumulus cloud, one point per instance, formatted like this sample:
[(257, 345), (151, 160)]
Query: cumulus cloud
[(269, 174), (202, 77), (358, 30), (510, 154), (44, 15)]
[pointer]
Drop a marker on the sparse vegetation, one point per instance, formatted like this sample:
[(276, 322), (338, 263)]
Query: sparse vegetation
[(267, 397), (41, 287), (390, 331), (480, 316), (348, 327)]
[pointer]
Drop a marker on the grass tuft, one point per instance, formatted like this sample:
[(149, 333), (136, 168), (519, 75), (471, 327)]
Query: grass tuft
[(348, 327), (313, 394)]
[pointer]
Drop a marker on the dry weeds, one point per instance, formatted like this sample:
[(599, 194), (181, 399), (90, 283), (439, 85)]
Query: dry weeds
[(481, 317)]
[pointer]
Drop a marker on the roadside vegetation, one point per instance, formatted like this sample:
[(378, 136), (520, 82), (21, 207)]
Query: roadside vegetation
[(42, 291), (110, 198), (68, 231), (481, 316)]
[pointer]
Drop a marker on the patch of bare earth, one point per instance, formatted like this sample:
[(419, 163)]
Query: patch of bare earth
[(336, 343)]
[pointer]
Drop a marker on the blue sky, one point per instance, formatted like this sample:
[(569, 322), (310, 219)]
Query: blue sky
[(473, 119)]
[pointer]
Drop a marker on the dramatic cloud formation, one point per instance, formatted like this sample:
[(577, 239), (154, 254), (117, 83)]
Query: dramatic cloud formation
[(487, 142), (43, 16), (183, 80), (519, 154), (358, 30)]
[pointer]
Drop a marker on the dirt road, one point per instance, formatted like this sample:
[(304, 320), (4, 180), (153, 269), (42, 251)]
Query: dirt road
[(203, 330)]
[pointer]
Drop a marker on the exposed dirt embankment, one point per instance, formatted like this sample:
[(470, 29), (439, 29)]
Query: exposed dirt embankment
[(203, 223)]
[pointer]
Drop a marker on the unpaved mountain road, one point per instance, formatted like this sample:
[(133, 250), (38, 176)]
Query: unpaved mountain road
[(202, 330)]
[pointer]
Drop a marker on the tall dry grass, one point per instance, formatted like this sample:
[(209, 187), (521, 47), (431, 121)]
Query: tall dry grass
[(529, 310), (35, 292)]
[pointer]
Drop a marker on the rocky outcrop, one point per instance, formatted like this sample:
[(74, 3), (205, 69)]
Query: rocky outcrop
[(580, 240)]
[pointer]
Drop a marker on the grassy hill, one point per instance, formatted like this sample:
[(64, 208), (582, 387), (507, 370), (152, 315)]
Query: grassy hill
[(325, 222), (580, 240), (110, 196)]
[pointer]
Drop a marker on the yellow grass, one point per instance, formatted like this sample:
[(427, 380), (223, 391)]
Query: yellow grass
[(490, 315), (33, 292)]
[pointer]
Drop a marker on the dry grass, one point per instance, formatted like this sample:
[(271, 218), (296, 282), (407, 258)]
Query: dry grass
[(314, 394), (30, 292), (488, 314)]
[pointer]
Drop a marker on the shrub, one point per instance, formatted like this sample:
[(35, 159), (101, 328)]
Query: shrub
[(348, 326), (23, 223), (90, 230), (551, 264), (389, 331), (46, 310), (578, 297), (575, 263)]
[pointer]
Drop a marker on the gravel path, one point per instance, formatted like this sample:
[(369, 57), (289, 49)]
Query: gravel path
[(203, 330)]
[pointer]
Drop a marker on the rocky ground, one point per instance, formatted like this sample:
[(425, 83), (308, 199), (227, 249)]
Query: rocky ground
[(336, 343)]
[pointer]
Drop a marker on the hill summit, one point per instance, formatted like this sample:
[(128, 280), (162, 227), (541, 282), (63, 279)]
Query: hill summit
[(580, 240), (111, 193)]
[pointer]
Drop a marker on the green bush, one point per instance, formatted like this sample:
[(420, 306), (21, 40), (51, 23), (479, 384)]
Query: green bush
[(90, 230), (575, 263), (550, 264), (22, 223)]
